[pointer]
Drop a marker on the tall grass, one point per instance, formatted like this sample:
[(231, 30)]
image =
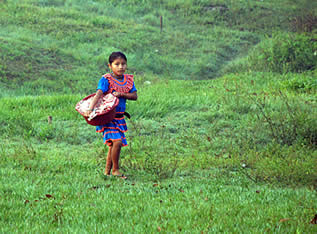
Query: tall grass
[(225, 121), (203, 155)]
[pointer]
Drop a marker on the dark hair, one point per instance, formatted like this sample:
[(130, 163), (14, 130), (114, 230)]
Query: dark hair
[(115, 55)]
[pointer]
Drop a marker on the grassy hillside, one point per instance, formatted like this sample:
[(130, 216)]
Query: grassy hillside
[(222, 138), (43, 42)]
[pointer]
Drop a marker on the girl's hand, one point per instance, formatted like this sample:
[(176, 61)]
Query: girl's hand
[(87, 113), (117, 94), (129, 96)]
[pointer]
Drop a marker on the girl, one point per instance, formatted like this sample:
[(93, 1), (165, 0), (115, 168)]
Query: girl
[(122, 86)]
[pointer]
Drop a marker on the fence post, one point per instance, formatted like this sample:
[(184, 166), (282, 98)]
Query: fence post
[(161, 23)]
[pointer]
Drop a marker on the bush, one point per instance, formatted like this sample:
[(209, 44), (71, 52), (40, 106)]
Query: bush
[(304, 18), (304, 82), (287, 121), (304, 23), (284, 53)]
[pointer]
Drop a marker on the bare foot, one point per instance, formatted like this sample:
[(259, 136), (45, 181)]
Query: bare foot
[(107, 174), (119, 174), (107, 171)]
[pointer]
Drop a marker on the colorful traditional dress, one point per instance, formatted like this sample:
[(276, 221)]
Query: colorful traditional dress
[(115, 130)]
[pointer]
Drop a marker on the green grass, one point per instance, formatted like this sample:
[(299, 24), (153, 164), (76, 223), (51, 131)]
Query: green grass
[(70, 195), (192, 164), (40, 40), (236, 154)]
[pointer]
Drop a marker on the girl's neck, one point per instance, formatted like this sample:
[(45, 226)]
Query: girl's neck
[(117, 77)]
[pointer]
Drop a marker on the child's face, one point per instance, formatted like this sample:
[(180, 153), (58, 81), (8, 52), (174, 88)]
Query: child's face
[(118, 66)]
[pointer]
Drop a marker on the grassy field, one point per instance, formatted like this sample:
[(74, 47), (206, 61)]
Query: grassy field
[(222, 138)]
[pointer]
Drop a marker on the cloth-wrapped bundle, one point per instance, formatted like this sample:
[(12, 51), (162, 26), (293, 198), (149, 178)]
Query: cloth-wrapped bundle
[(104, 111)]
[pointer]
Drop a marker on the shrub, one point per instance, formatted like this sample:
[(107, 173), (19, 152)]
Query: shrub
[(284, 53), (304, 18), (304, 82), (287, 121), (304, 23)]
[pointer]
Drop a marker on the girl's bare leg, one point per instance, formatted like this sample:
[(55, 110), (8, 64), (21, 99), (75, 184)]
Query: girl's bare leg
[(115, 155), (109, 162)]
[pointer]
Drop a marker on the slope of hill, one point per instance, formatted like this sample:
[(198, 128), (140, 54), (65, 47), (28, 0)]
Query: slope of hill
[(62, 46)]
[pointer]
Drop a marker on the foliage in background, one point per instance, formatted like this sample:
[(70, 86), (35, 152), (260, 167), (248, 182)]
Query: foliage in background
[(305, 18), (281, 53), (284, 53), (69, 41)]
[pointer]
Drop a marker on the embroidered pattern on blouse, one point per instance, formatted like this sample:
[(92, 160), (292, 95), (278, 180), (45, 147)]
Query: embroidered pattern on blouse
[(123, 86)]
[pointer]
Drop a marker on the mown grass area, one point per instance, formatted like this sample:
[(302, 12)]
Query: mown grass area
[(232, 154)]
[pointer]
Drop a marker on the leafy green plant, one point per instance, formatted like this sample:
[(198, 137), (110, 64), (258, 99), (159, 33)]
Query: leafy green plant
[(284, 53), (305, 82), (290, 123)]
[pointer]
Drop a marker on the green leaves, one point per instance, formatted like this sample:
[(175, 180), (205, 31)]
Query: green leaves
[(284, 52)]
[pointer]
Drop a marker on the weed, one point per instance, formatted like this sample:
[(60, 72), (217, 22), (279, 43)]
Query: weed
[(293, 122)]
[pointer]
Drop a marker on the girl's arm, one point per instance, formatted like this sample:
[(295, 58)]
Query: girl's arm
[(93, 102), (130, 96), (95, 99)]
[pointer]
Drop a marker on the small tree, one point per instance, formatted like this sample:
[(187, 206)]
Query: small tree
[(305, 18)]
